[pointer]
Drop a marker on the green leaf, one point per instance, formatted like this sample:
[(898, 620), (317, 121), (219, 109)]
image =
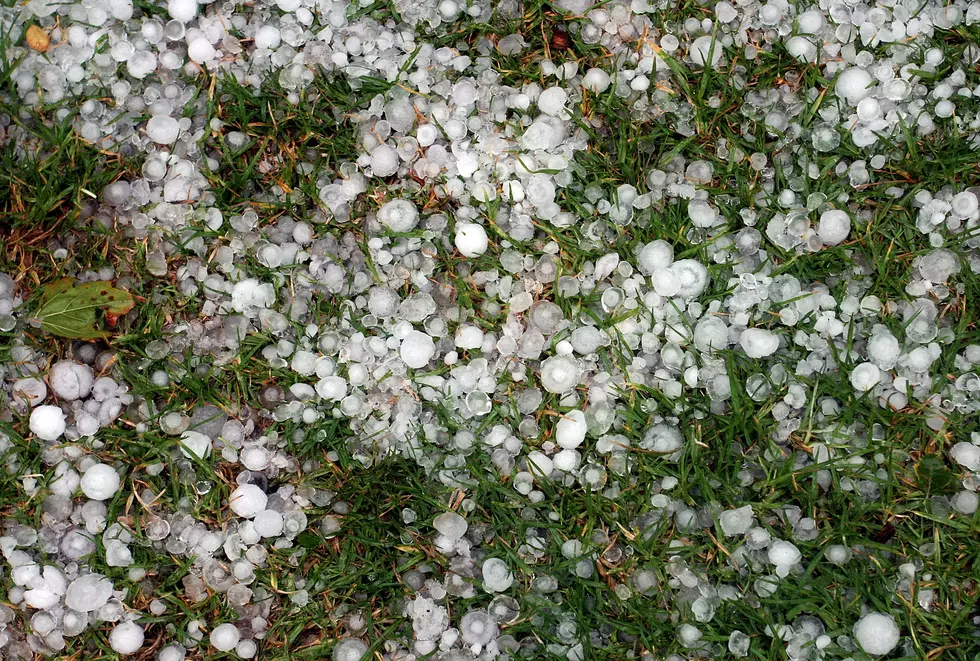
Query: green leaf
[(933, 475), (68, 310)]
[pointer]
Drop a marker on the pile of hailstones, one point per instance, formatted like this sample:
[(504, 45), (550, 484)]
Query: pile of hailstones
[(151, 67)]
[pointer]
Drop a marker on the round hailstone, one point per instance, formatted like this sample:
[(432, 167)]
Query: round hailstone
[(30, 390), (471, 239), (162, 129), (268, 37), (477, 628), (224, 637), (966, 455), (48, 422), (865, 376), (692, 277), (552, 100), (496, 575), (70, 380), (853, 85), (451, 525), (704, 46), (803, 49), (736, 522), (268, 523), (88, 593), (559, 374), (384, 161), (784, 554), (195, 444), (663, 439), (570, 430), (100, 482), (965, 204), (834, 226), (126, 638), (596, 81), (876, 633), (182, 10), (417, 349), (758, 342), (349, 649), (201, 51), (398, 215), (247, 500)]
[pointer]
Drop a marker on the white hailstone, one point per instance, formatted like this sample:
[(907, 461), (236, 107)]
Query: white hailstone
[(559, 374), (100, 482), (884, 349), (552, 100), (88, 593), (469, 336), (384, 161), (182, 10), (689, 635), (195, 444), (737, 522), (201, 51), (710, 334), (450, 525), (174, 652), (512, 191), (865, 376), (540, 464), (398, 215), (477, 628), (496, 576), (70, 380), (570, 430), (811, 21), (417, 349), (332, 388), (853, 85), (965, 502), (965, 204), (704, 46), (596, 81), (471, 239), (692, 277), (784, 554), (247, 500), (30, 391), (126, 638), (162, 129), (758, 342), (268, 37), (349, 649), (966, 455), (48, 422), (250, 293), (655, 256), (268, 523), (701, 213), (802, 49), (834, 226), (225, 637), (876, 633), (567, 460), (663, 439), (838, 555)]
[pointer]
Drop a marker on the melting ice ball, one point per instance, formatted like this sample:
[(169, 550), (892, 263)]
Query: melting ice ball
[(876, 633), (48, 423), (758, 342), (100, 482), (247, 500), (471, 239)]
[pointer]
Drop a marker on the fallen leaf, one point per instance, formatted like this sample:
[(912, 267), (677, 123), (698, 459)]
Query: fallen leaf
[(68, 310), (37, 39)]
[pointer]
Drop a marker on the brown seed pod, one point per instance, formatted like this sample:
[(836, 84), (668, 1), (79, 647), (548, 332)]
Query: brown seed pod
[(37, 39), (560, 40)]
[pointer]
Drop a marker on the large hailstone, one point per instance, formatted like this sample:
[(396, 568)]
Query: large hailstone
[(877, 633), (48, 422), (88, 593), (224, 637), (100, 482), (559, 374), (126, 638), (398, 215), (162, 129), (70, 380), (247, 500), (702, 48), (417, 349), (853, 85), (833, 227), (758, 342), (570, 430), (195, 444), (471, 239)]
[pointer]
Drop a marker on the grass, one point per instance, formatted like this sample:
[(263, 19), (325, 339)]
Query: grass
[(46, 195)]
